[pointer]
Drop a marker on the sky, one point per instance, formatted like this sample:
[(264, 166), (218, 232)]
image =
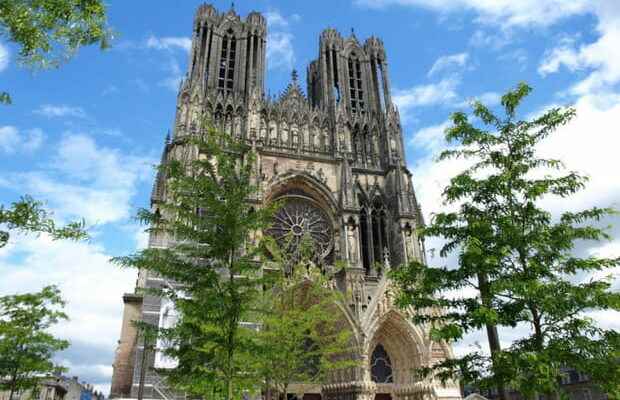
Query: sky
[(85, 138)]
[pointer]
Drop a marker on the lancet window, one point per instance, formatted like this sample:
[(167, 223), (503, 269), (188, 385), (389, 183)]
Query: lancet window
[(374, 232), (227, 62), (355, 84), (381, 366)]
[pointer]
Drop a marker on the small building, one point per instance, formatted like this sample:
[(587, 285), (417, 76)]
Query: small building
[(52, 388), (56, 388)]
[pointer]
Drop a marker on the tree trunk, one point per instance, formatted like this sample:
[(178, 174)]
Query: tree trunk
[(492, 334), (13, 384)]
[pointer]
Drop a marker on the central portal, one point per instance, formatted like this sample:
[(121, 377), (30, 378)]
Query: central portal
[(383, 396)]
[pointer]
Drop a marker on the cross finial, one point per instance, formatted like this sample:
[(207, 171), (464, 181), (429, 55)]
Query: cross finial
[(352, 31), (294, 75), (232, 6)]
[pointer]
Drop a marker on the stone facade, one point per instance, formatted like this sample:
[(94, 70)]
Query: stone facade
[(336, 152)]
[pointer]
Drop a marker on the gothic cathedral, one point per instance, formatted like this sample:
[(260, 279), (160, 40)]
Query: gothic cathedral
[(335, 156)]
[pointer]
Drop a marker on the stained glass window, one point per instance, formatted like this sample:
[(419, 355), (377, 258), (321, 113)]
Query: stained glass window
[(381, 366)]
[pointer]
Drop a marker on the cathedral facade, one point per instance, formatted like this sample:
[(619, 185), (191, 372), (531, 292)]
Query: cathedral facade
[(334, 155)]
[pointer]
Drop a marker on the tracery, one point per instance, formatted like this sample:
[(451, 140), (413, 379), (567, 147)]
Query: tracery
[(300, 218)]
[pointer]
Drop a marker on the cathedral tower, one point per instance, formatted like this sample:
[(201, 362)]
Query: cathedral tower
[(335, 154)]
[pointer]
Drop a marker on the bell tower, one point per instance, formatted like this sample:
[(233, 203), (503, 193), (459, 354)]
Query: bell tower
[(228, 53), (349, 72)]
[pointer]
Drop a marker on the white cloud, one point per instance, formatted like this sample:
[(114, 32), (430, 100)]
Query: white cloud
[(275, 19), (430, 138), (173, 81), (169, 43), (495, 40), (519, 56), (9, 139), (489, 99), (59, 111), (564, 54), (92, 288), (602, 56), (506, 13), (442, 92), (12, 140), (448, 62), (588, 144), (34, 262), (34, 139), (4, 57), (85, 180), (171, 66), (280, 52)]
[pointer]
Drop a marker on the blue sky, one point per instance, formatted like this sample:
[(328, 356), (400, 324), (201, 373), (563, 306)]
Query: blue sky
[(85, 137)]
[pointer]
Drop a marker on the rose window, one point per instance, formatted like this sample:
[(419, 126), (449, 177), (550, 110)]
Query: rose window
[(298, 219)]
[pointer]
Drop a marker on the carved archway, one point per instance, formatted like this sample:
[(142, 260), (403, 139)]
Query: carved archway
[(403, 345)]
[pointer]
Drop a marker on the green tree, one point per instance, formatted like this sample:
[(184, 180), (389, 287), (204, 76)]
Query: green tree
[(28, 215), (26, 346), (301, 337), (49, 31), (211, 264), (518, 257)]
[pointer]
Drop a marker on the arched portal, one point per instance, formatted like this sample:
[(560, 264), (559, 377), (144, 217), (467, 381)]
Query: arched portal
[(395, 349)]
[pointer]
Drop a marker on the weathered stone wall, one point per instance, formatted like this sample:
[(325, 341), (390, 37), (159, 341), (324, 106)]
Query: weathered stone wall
[(123, 366)]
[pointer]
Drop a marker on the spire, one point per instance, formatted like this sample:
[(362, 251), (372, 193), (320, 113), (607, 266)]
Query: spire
[(294, 75)]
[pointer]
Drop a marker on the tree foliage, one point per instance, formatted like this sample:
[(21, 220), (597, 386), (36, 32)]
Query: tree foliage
[(211, 264), (532, 274), (26, 346), (50, 31), (301, 336), (28, 215)]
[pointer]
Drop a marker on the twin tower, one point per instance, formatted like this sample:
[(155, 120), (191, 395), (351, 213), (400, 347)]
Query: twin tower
[(334, 156)]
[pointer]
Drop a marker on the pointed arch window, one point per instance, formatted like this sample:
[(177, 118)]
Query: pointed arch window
[(381, 366), (355, 84), (227, 62), (374, 234)]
